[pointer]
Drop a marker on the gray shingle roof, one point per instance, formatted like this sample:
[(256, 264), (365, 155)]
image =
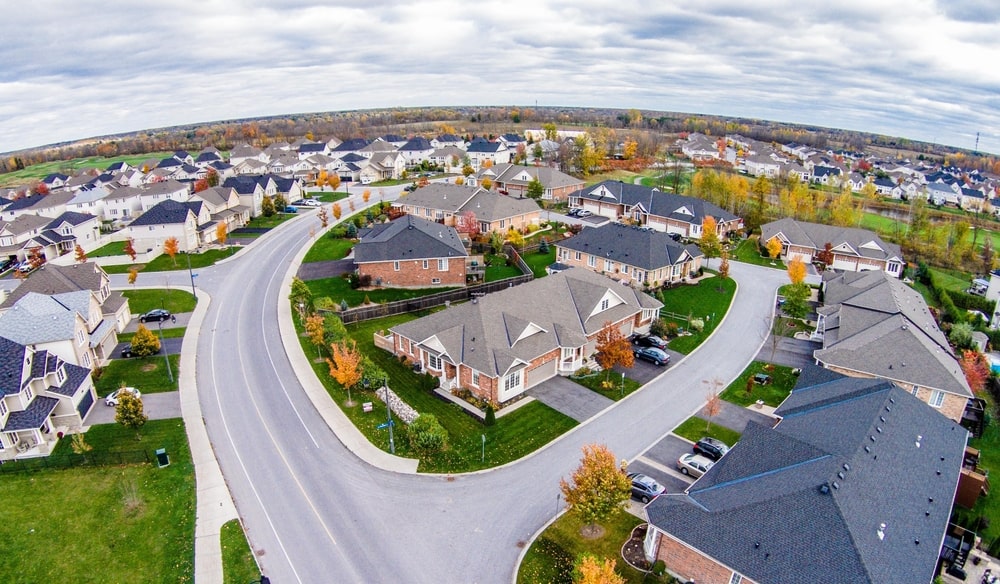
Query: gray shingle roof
[(550, 177), (54, 279), (861, 241), (457, 199), (167, 212), (11, 366), (408, 238), (637, 247), (654, 202), (40, 319), (807, 499), (32, 417)]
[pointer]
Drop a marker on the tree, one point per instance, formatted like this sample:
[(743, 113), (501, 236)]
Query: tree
[(843, 211), (144, 342), (468, 224), (467, 170), (536, 190), (344, 363), (961, 335), (796, 296), (591, 570), (486, 183), (515, 238), (129, 413), (81, 256), (334, 181), (212, 178), (613, 349), (40, 189), (366, 195), (316, 329), (337, 212), (221, 232), (79, 444), (797, 270), (724, 266), (976, 368), (129, 249), (427, 434), (599, 489), (171, 247), (300, 294), (709, 243), (496, 242), (773, 247), (987, 255), (324, 219), (321, 178), (133, 273), (713, 405), (267, 207), (826, 256), (200, 185), (280, 203), (551, 133)]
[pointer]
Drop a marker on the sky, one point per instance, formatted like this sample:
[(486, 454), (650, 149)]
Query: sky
[(919, 69)]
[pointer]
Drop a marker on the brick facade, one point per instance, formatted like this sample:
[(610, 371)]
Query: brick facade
[(952, 407), (655, 277), (413, 274), (691, 564)]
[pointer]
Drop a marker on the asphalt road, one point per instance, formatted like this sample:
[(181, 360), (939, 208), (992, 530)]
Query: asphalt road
[(316, 513)]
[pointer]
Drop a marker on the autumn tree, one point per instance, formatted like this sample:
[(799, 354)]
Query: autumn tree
[(486, 183), (316, 329), (724, 266), (536, 190), (81, 256), (591, 570), (599, 489), (515, 238), (468, 223), (844, 211), (170, 247), (267, 207), (773, 246), (221, 232), (321, 178), (133, 273), (129, 249), (366, 195), (987, 255), (613, 349), (129, 413), (144, 342), (334, 181), (797, 270), (713, 405), (212, 178), (337, 211), (467, 170), (200, 185), (826, 256), (709, 242), (324, 218), (976, 368), (344, 363)]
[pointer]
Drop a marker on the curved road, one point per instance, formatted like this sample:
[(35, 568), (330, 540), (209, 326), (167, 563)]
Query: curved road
[(314, 512)]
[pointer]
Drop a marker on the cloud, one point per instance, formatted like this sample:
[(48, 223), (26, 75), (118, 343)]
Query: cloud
[(916, 69)]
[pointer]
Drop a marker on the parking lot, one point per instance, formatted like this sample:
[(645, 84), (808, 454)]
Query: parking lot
[(660, 463)]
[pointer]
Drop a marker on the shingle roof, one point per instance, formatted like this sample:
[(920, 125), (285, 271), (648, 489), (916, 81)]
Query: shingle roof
[(12, 357), (351, 145), (165, 213), (637, 247), (457, 199), (37, 318), (862, 242), (71, 217), (52, 279), (809, 498), (481, 145), (407, 238), (416, 145), (243, 185), (32, 417), (655, 202), (550, 177)]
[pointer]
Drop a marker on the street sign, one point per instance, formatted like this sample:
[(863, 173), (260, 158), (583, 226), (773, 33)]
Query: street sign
[(385, 425)]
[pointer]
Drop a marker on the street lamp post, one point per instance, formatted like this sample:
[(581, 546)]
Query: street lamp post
[(623, 384), (170, 374), (388, 409)]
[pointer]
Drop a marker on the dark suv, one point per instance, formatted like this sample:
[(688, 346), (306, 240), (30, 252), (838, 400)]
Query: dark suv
[(649, 341), (711, 448)]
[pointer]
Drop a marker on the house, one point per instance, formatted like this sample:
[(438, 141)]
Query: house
[(853, 249), (634, 255), (446, 140), (394, 139), (481, 150), (853, 485), (207, 157), (55, 180), (504, 343), (42, 398), (122, 204), (250, 191), (382, 166), (513, 179), (51, 205), (699, 147), (350, 146), (410, 252), (190, 223), (69, 324), (826, 175), (940, 193), (445, 203), (308, 149), (16, 236), (244, 152), (51, 279), (762, 165), (89, 201), (416, 150), (224, 206), (971, 199), (662, 211), (158, 192), (65, 232), (448, 158), (874, 325)]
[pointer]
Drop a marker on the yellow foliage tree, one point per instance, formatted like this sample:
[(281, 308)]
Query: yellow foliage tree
[(486, 183), (366, 195), (321, 179), (315, 330), (591, 570), (221, 232), (774, 247), (345, 365), (599, 488), (334, 181), (337, 211), (797, 270), (170, 247), (133, 273)]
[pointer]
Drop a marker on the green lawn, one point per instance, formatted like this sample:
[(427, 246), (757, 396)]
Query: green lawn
[(550, 557), (782, 382), (328, 248), (37, 172), (501, 272), (512, 437), (238, 563), (703, 300), (339, 288), (147, 374), (618, 389), (328, 196), (101, 531), (163, 263), (262, 222), (176, 301), (539, 261), (168, 333), (695, 428), (115, 248), (748, 252)]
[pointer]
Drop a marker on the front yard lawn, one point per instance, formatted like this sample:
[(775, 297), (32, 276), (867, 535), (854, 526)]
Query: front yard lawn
[(176, 301), (168, 333), (702, 300), (147, 374), (617, 390), (127, 524), (695, 428), (262, 222), (328, 248), (115, 248), (328, 196), (773, 393), (163, 263), (748, 252), (238, 563), (339, 288), (550, 557)]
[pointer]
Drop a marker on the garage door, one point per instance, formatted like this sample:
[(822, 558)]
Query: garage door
[(540, 373)]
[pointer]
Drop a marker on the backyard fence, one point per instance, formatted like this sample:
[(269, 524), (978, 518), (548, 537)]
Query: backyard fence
[(76, 460)]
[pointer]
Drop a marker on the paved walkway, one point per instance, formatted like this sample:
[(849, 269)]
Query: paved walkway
[(790, 352), (735, 417), (569, 398), (158, 406)]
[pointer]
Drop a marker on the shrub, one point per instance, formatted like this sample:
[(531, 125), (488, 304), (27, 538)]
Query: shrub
[(427, 434), (491, 416), (697, 324), (659, 568), (144, 342), (324, 303)]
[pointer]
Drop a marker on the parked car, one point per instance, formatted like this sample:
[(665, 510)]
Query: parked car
[(291, 209), (310, 203), (155, 315), (573, 212), (126, 351), (25, 267), (649, 341), (410, 188), (652, 354), (711, 448), (7, 264), (112, 399), (584, 213), (693, 465), (644, 488)]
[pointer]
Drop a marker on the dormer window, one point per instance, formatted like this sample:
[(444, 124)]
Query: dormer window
[(605, 304), (61, 375)]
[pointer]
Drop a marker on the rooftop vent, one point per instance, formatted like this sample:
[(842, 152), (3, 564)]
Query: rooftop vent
[(881, 531)]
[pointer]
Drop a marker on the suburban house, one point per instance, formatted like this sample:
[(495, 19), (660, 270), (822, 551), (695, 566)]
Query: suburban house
[(51, 205), (42, 398), (636, 256), (382, 166), (854, 250), (158, 192), (245, 152), (506, 342), (661, 211), (416, 150), (700, 147), (224, 206), (854, 485), (513, 179), (446, 203), (189, 222), (16, 237), (480, 151), (874, 325), (51, 279), (449, 158), (250, 191), (70, 325), (410, 252)]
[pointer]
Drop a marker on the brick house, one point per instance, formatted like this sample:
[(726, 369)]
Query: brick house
[(874, 325), (649, 207), (504, 343), (637, 256), (854, 485), (411, 252), (513, 179), (853, 249), (446, 203)]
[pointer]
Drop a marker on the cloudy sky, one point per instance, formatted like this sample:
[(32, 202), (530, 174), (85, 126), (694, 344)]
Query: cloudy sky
[(920, 69)]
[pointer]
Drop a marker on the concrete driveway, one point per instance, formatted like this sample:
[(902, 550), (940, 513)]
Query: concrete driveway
[(660, 462), (644, 371), (789, 352), (182, 320), (569, 398), (328, 269), (170, 346), (735, 417), (158, 406)]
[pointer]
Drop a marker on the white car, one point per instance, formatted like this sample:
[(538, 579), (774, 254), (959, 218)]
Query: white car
[(694, 465), (112, 399), (310, 203)]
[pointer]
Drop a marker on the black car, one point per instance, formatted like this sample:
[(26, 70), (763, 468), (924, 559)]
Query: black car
[(7, 264), (649, 341), (652, 354), (156, 315), (644, 488), (126, 351), (711, 448)]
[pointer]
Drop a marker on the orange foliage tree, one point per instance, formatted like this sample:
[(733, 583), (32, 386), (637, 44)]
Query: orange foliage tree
[(976, 368), (221, 232), (613, 349), (129, 249), (797, 270), (591, 570), (599, 488), (345, 366), (337, 212), (170, 247), (334, 181), (81, 256)]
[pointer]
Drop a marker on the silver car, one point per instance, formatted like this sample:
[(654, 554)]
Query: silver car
[(694, 465)]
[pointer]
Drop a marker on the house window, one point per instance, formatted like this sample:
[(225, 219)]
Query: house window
[(435, 280), (433, 362), (568, 353), (395, 266), (475, 378), (79, 337), (61, 375), (913, 391), (736, 579), (425, 264), (512, 381), (86, 359), (3, 407), (28, 393), (609, 266), (578, 256), (591, 261), (604, 304), (937, 398), (443, 265), (503, 223)]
